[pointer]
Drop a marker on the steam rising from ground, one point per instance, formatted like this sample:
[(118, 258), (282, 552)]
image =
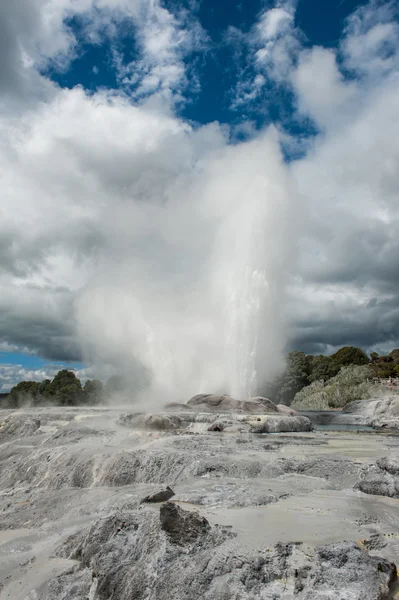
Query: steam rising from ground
[(192, 291)]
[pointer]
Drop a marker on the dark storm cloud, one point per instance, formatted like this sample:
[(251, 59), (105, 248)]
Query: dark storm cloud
[(41, 320), (374, 324), (369, 253)]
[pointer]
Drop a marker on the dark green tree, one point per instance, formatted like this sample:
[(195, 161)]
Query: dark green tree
[(66, 389), (350, 355), (294, 378), (384, 369), (323, 368), (395, 355), (373, 356), (22, 393), (45, 388)]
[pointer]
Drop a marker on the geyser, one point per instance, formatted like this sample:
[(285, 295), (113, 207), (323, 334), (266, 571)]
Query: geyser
[(247, 289), (193, 286)]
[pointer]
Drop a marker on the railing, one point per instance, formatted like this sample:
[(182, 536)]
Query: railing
[(392, 382)]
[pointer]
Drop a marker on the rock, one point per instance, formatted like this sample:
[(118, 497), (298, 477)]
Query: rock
[(216, 403), (377, 412), (160, 496), (389, 464), (216, 426), (281, 423), (267, 404), (157, 422), (381, 479), (182, 526), (162, 422), (131, 419), (347, 570), (128, 558), (19, 425), (177, 406), (283, 408)]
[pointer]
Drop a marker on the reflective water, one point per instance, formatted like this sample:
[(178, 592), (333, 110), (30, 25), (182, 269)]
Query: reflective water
[(333, 420)]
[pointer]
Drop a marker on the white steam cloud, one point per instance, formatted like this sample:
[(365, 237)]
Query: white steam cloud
[(198, 302)]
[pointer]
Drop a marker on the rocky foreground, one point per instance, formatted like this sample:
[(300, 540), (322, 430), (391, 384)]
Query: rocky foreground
[(200, 501)]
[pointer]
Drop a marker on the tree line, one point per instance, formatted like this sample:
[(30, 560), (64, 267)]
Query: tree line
[(301, 370), (65, 389)]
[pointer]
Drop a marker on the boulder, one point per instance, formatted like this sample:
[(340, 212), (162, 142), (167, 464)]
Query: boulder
[(157, 422), (162, 422), (159, 496), (281, 424), (224, 403), (216, 426), (382, 478), (378, 412), (182, 526)]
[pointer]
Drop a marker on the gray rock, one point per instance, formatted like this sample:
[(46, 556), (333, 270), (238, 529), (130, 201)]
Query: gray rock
[(128, 558), (216, 426), (19, 425), (381, 479), (182, 526), (224, 403), (281, 423), (344, 571), (378, 411), (160, 496), (162, 422), (157, 422), (389, 464)]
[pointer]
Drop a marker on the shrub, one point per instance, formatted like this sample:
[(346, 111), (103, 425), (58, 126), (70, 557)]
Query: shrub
[(348, 385)]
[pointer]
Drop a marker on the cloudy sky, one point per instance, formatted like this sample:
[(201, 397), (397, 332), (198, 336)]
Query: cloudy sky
[(150, 151)]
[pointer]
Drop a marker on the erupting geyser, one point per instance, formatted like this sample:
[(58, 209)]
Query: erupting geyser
[(246, 290), (193, 288)]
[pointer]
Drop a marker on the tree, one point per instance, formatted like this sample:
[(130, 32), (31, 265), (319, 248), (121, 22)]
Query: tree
[(323, 368), (294, 378), (350, 355), (373, 356), (66, 388), (384, 369), (93, 391), (395, 355), (22, 393), (45, 388)]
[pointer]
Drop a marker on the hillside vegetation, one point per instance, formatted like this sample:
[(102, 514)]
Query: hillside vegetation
[(348, 385), (316, 373)]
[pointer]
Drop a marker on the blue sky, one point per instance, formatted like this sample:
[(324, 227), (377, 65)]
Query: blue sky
[(220, 63), (115, 115)]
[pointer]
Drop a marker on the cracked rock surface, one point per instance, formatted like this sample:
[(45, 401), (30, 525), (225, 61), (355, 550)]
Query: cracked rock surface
[(311, 515), (382, 479)]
